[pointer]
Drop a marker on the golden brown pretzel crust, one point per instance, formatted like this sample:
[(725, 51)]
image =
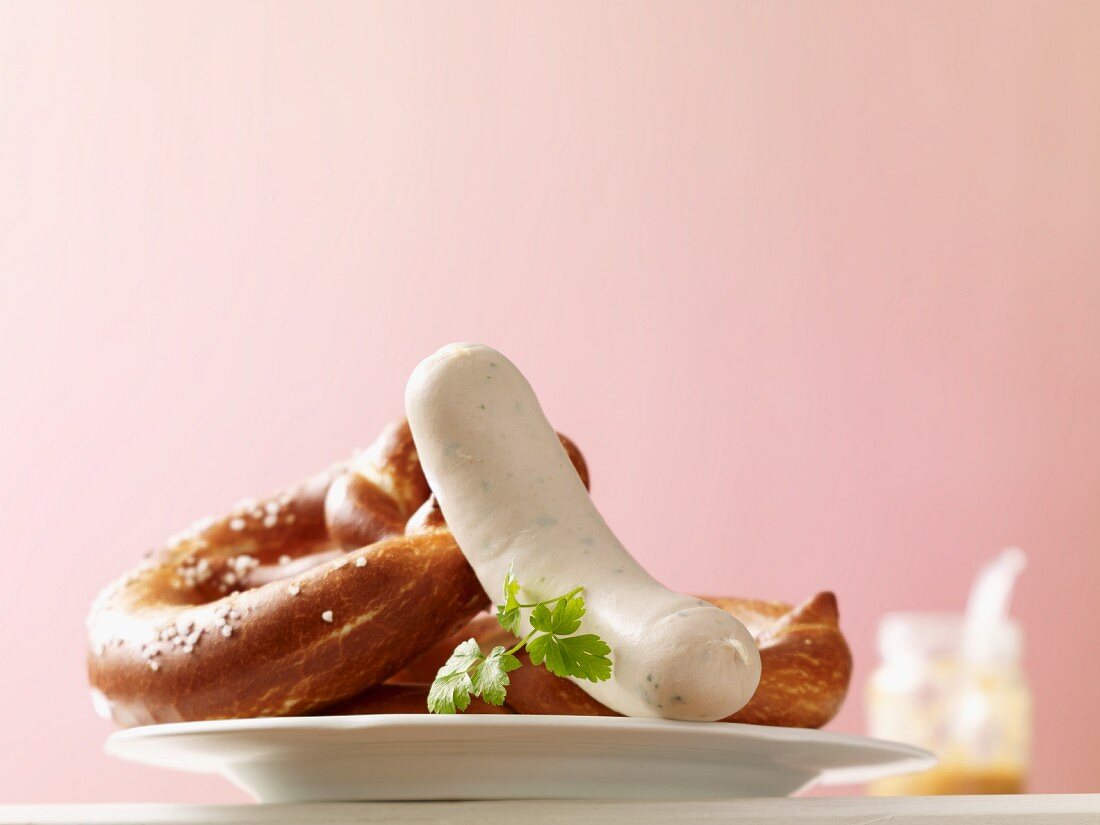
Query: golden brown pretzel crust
[(805, 666), (260, 613), (384, 487), (265, 613)]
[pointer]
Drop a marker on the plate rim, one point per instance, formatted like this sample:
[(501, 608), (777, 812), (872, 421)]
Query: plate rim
[(893, 757)]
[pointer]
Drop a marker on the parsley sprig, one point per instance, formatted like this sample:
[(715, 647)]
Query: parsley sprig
[(469, 672)]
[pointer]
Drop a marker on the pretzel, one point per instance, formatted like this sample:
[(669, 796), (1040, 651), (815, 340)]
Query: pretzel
[(306, 601), (805, 666), (289, 603)]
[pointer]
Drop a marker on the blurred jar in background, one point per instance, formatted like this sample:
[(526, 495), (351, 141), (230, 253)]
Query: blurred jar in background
[(972, 710)]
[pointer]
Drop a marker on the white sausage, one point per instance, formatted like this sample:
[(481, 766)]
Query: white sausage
[(511, 497)]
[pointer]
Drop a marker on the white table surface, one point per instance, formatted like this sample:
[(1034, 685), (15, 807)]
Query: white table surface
[(964, 810)]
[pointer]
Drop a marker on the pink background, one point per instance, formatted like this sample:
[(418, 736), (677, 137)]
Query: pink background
[(814, 286)]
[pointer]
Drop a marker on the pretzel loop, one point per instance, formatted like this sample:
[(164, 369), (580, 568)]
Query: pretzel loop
[(286, 604)]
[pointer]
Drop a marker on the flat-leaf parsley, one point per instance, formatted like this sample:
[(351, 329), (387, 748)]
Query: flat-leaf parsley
[(469, 672)]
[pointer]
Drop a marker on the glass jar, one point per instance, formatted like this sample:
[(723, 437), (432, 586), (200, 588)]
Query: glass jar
[(973, 712)]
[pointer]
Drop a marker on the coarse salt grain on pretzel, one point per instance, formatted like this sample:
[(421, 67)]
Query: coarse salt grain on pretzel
[(264, 613)]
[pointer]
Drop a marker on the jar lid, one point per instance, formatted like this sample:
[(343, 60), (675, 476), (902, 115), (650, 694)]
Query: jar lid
[(933, 634)]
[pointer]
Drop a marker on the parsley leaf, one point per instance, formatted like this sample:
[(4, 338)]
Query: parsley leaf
[(563, 620), (584, 656), (450, 693), (508, 613), (491, 677), (466, 655), (470, 673), (452, 687)]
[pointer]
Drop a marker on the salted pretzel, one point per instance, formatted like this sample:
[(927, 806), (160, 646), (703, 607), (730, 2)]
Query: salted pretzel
[(306, 601), (805, 669), (288, 603)]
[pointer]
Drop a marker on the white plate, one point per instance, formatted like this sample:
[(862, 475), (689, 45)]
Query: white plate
[(420, 757)]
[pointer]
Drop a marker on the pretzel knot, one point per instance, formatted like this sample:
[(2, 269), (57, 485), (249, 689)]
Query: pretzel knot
[(289, 603)]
